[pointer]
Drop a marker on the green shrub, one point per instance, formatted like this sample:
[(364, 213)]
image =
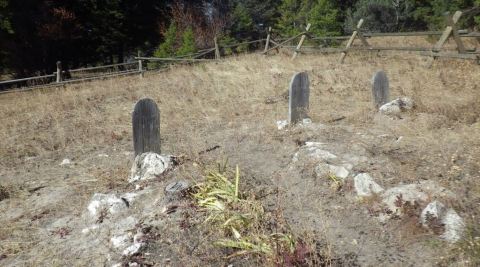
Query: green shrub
[(188, 43), (167, 48)]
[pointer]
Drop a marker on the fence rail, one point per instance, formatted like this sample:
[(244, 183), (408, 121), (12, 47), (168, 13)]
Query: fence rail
[(61, 77)]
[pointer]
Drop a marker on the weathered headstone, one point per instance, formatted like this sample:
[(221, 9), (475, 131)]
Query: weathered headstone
[(299, 93), (146, 127), (380, 88)]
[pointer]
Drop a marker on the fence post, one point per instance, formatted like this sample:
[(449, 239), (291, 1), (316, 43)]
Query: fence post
[(59, 71), (299, 46), (140, 65), (267, 43), (350, 41), (217, 49), (445, 35)]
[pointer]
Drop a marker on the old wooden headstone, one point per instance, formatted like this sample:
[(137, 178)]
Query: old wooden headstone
[(146, 127), (380, 89), (299, 93)]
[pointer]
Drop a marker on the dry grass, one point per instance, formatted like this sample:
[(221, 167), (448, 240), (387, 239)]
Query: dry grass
[(192, 98), (199, 102)]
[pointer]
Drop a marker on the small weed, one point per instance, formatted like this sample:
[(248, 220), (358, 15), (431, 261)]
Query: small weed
[(244, 222), (337, 183)]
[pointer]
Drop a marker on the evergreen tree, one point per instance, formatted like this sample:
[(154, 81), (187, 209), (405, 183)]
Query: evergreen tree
[(5, 24), (188, 43), (167, 48), (378, 16), (322, 14), (291, 17), (324, 17), (242, 23)]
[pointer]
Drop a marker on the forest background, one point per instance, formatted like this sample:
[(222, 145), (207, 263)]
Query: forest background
[(34, 34)]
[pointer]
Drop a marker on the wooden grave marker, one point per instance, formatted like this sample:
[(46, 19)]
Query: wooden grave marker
[(380, 88), (146, 127), (298, 102)]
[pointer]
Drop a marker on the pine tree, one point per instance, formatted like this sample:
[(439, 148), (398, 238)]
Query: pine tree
[(188, 43), (5, 24), (167, 48), (324, 17), (242, 24), (290, 17)]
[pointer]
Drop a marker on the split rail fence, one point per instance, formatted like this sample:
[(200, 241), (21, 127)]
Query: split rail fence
[(140, 65)]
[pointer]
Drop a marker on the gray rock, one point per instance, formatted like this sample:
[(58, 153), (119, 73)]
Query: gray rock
[(282, 124), (452, 223), (365, 186), (149, 166), (313, 151), (175, 190), (395, 107), (65, 162), (105, 202), (420, 192)]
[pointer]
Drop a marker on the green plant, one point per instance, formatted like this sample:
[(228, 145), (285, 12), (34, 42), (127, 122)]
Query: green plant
[(188, 43), (242, 219), (167, 48)]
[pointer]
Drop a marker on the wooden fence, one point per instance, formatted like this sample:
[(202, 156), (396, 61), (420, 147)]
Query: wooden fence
[(61, 77)]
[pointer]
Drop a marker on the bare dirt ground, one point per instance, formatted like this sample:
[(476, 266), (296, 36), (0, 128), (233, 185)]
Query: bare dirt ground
[(234, 104)]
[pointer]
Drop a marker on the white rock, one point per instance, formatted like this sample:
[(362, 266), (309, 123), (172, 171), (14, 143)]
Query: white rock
[(89, 229), (390, 109), (318, 153), (453, 224), (148, 166), (324, 169), (139, 237), (339, 171), (313, 151), (396, 106), (307, 121), (420, 192), (314, 144), (295, 157), (132, 249), (348, 166), (66, 162), (123, 225), (130, 197), (120, 241), (366, 186), (102, 155), (405, 103), (282, 124), (435, 209), (109, 202)]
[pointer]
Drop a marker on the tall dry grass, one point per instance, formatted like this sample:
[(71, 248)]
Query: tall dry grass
[(230, 93)]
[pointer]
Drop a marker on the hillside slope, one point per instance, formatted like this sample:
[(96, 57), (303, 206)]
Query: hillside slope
[(235, 104)]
